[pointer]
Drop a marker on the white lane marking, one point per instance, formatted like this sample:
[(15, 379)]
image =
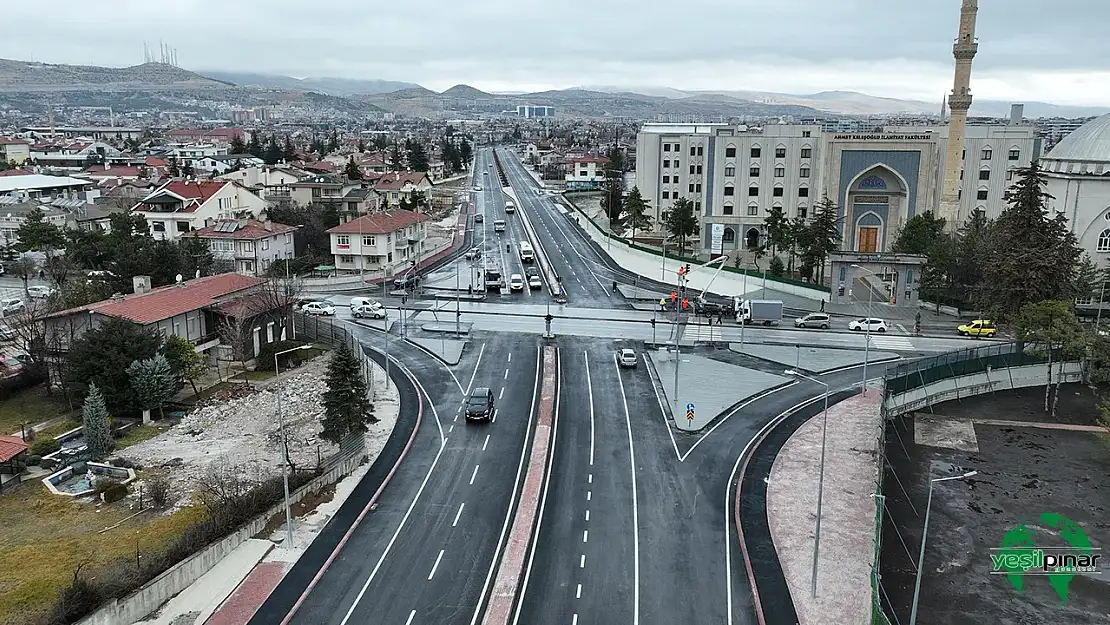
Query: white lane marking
[(506, 374), (751, 399), (589, 495), (458, 514), (590, 390), (419, 491), (450, 429), (412, 615), (635, 503), (578, 593), (524, 447), (510, 356), (587, 516), (474, 474), (502, 393), (486, 442), (456, 418), (662, 410), (590, 478), (582, 562), (574, 620), (585, 536), (731, 486), (435, 566)]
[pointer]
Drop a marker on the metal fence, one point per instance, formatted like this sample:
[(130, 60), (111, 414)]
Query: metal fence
[(921, 373), (321, 330)]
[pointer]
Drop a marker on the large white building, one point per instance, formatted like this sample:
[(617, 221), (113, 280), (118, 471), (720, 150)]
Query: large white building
[(735, 175), (1078, 172)]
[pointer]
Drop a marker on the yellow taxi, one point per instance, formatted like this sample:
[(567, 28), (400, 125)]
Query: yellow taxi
[(979, 327)]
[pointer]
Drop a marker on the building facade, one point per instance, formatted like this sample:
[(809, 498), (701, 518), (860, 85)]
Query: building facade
[(391, 240), (251, 246), (180, 206)]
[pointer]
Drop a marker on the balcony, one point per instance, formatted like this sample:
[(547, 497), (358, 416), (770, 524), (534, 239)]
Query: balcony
[(206, 342)]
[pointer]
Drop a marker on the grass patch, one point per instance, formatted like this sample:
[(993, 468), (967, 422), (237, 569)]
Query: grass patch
[(59, 429), (44, 538), (138, 434), (31, 405)]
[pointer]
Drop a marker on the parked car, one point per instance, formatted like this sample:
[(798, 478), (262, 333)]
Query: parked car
[(863, 324), (813, 320), (369, 311), (626, 357), (516, 282), (7, 333), (535, 282), (39, 291), (318, 308), (478, 218), (979, 327), (301, 303), (12, 306), (480, 405), (363, 301), (477, 187)]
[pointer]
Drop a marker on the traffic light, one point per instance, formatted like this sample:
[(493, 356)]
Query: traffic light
[(687, 267), (548, 318), (653, 322)]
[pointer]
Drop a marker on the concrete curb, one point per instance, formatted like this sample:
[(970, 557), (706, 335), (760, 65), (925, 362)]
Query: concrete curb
[(433, 354)]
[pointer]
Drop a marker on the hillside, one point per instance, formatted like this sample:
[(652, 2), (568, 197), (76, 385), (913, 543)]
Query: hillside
[(25, 76), (466, 92), (330, 86)]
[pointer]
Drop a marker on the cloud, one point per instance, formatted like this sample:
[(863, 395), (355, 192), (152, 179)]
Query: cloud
[(899, 48)]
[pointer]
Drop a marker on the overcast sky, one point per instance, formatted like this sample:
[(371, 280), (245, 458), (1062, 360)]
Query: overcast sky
[(1029, 49)]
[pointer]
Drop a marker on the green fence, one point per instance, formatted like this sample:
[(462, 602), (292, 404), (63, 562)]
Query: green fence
[(920, 373)]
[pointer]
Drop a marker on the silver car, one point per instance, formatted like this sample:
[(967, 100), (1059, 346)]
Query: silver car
[(813, 320), (626, 357)]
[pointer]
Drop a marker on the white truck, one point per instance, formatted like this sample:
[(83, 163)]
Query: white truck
[(765, 311)]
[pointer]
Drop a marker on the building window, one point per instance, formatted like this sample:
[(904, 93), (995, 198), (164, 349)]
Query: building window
[(753, 209), (1104, 241), (728, 236), (664, 214), (697, 188), (730, 151), (981, 195), (265, 244), (730, 191), (780, 152), (987, 154), (346, 258), (367, 240), (984, 174), (780, 172), (727, 210), (691, 170), (666, 179), (316, 192), (730, 171), (246, 247), (697, 207), (753, 172), (803, 191), (342, 240), (666, 148), (667, 163), (691, 187), (1009, 174), (223, 246), (158, 226), (776, 192), (755, 152), (676, 164), (666, 195), (182, 226), (802, 211), (807, 152), (1015, 155), (803, 172), (753, 191), (699, 170), (806, 134), (693, 151)]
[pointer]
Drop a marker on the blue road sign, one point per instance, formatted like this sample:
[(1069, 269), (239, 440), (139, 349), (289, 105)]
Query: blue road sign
[(690, 406)]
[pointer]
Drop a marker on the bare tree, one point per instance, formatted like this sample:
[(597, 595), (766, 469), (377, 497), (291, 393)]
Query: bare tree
[(60, 267), (233, 334), (25, 268)]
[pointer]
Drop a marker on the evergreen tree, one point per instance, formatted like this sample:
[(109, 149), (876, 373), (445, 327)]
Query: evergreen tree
[(185, 360), (396, 163), (824, 235), (153, 382), (187, 171), (102, 355), (254, 146), (37, 234), (97, 426), (681, 222), (273, 153), (333, 141), (288, 150), (924, 234), (1089, 279), (635, 212), (777, 226), (465, 151), (237, 145), (347, 409), (614, 196), (352, 170), (970, 243), (361, 146), (919, 234), (1029, 257), (418, 156), (171, 167)]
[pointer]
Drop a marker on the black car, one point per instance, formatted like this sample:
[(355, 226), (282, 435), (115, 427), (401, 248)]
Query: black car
[(406, 282), (479, 406), (710, 309), (531, 270)]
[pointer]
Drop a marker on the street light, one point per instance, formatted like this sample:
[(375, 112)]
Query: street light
[(820, 478), (867, 330), (285, 451), (924, 535)]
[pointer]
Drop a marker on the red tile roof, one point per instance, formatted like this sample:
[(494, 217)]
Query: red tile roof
[(195, 192), (590, 159), (9, 141), (395, 181), (384, 222), (120, 171), (252, 229), (155, 162), (10, 447), (170, 301), (16, 172)]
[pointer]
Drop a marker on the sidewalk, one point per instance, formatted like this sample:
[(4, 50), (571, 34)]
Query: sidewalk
[(847, 550)]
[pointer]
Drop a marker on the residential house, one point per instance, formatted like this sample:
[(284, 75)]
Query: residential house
[(395, 186), (193, 153), (361, 201), (31, 186), (73, 154), (391, 240), (215, 135), (94, 132), (251, 245), (223, 163), (227, 311), (116, 172), (321, 188), (268, 182), (97, 217), (14, 150), (374, 163), (180, 206), (586, 173), (13, 212)]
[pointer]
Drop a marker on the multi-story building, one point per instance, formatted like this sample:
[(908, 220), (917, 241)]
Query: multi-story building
[(392, 240), (586, 173), (270, 183), (14, 150), (250, 245), (181, 206), (13, 212), (396, 186), (529, 112), (321, 188)]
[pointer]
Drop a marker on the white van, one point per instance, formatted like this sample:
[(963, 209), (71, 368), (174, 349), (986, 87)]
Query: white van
[(510, 207), (499, 225), (527, 254), (363, 301)]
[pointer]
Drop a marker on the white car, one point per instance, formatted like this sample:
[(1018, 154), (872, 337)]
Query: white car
[(477, 188), (371, 311), (535, 282), (12, 306), (626, 357), (516, 282), (40, 291), (318, 308), (873, 324)]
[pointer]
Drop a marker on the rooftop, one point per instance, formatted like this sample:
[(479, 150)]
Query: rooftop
[(34, 182), (384, 222), (682, 129), (1088, 143), (10, 447), (169, 301), (250, 229)]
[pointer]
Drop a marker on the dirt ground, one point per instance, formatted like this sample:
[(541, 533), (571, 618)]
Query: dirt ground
[(1023, 472)]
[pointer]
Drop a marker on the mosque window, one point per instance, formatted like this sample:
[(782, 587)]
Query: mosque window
[(802, 210), (1010, 174), (753, 172), (730, 151), (728, 209), (1015, 154), (729, 235), (756, 151), (987, 154), (807, 152), (981, 194), (803, 172), (753, 209), (780, 172), (1104, 241), (777, 192), (730, 190), (984, 174), (730, 171), (803, 191), (780, 152), (753, 191)]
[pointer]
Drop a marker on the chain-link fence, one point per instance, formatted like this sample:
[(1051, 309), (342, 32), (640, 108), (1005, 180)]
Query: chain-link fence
[(921, 373), (322, 330)]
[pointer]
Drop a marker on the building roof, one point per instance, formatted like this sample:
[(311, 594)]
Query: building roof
[(320, 180), (15, 172), (244, 229), (601, 160), (395, 181), (384, 222), (198, 191), (1088, 143), (11, 446), (169, 301), (10, 141), (359, 193), (117, 171), (33, 182)]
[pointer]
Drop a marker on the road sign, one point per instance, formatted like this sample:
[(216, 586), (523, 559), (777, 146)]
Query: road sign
[(689, 415), (690, 407)]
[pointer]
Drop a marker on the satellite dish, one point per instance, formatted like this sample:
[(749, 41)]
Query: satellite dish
[(178, 278)]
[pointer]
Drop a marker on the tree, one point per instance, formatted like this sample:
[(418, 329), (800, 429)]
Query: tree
[(824, 235), (352, 170), (172, 169), (153, 383), (273, 152), (59, 267), (418, 156), (635, 212), (24, 268), (1088, 279), (37, 234), (918, 234), (968, 252), (237, 145), (465, 151), (414, 202), (1051, 325), (347, 409), (189, 364), (361, 146), (614, 197), (333, 142), (396, 163), (1028, 257), (102, 355), (681, 222), (79, 293), (187, 171), (777, 226), (254, 146), (97, 425), (288, 150)]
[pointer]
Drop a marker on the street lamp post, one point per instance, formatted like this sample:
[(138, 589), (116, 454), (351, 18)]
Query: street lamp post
[(925, 535), (867, 330), (820, 477), (285, 451)]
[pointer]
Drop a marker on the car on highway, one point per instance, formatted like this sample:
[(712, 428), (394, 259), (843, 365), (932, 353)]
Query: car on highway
[(516, 282), (510, 207), (7, 333), (813, 320), (40, 291), (477, 188), (485, 173), (368, 311), (480, 405), (863, 324), (318, 308), (535, 282), (478, 218), (979, 327), (499, 225), (11, 306), (626, 357), (474, 253)]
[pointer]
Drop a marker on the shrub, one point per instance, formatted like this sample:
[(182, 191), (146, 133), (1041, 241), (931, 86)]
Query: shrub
[(113, 493), (102, 483), (48, 463), (33, 460), (45, 445), (777, 267), (265, 361), (158, 488), (29, 434)]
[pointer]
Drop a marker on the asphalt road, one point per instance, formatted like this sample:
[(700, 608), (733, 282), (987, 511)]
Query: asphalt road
[(426, 553)]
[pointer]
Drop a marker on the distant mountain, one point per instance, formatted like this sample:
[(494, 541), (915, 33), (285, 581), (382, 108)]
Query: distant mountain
[(466, 92), (29, 76), (330, 86)]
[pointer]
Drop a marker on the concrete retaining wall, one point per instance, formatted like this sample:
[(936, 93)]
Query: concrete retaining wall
[(977, 384)]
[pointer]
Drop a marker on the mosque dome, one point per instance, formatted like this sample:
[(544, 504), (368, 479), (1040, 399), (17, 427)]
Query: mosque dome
[(1085, 151)]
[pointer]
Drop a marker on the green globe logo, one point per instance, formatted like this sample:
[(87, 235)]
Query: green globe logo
[(1018, 557)]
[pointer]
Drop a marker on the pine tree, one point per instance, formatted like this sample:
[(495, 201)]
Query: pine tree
[(777, 225), (465, 151), (361, 146), (824, 235), (187, 171), (171, 167), (288, 150), (635, 212), (97, 428), (681, 222), (237, 145), (347, 408), (396, 163), (153, 382), (418, 156), (254, 146), (1089, 279), (273, 152), (352, 170)]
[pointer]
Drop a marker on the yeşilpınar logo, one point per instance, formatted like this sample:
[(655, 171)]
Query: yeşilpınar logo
[(1018, 557)]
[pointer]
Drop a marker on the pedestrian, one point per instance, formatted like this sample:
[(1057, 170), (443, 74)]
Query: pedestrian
[(822, 305), (470, 289), (662, 305), (720, 317)]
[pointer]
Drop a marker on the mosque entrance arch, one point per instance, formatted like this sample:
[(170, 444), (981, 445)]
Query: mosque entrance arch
[(893, 279)]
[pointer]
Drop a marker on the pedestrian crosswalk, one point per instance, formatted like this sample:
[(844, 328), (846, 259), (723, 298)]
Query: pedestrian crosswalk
[(703, 333), (896, 343)]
